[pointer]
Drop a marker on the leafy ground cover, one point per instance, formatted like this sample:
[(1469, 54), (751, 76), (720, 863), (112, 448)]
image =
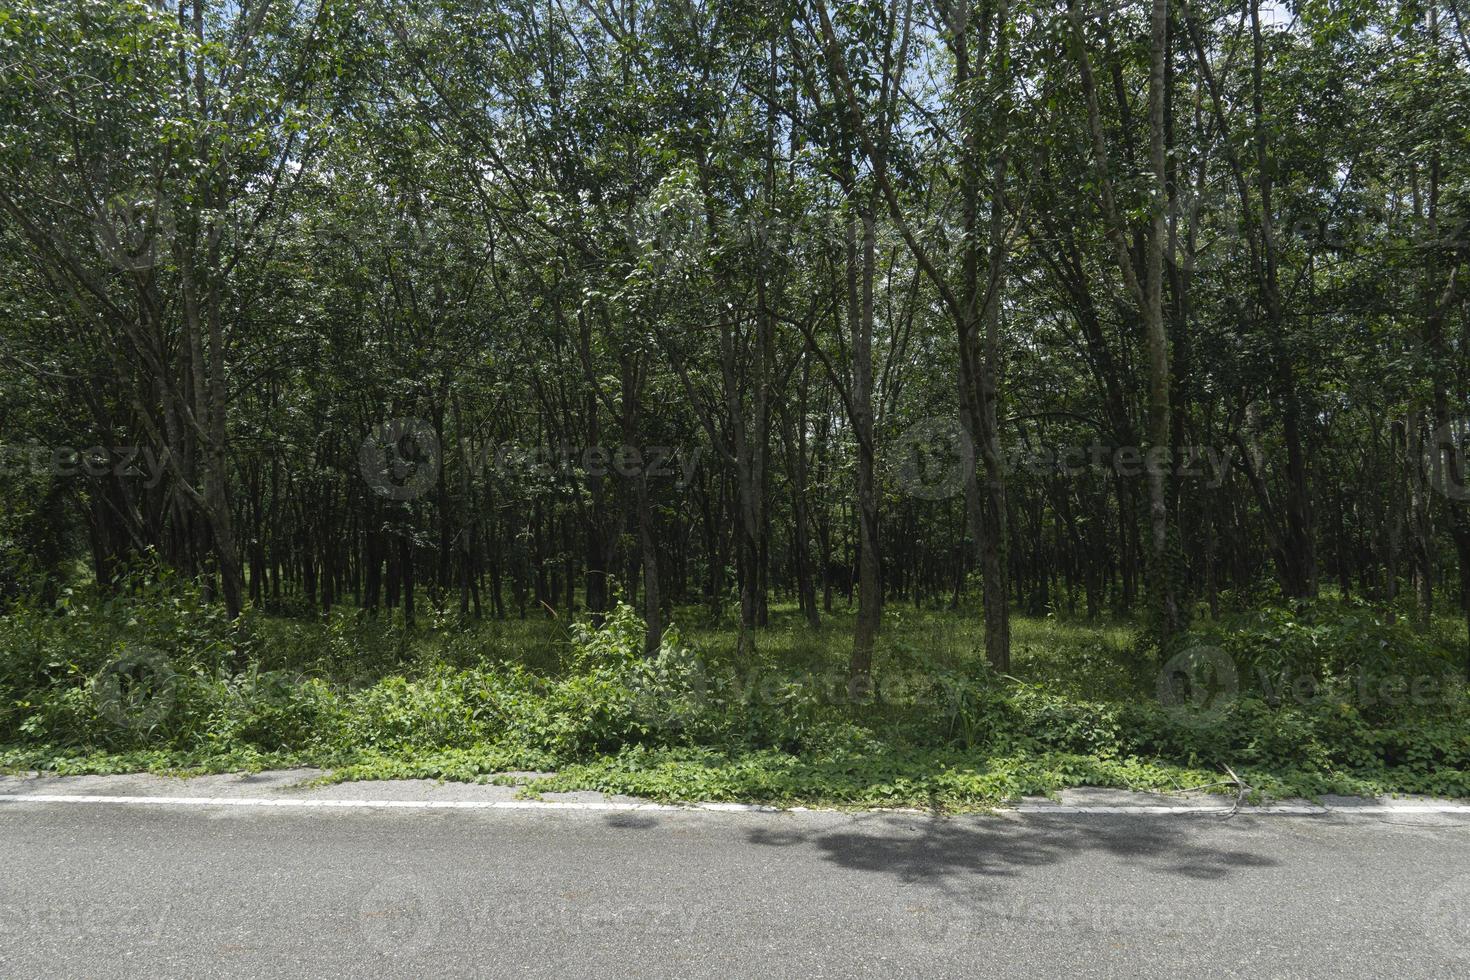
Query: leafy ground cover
[(1319, 698)]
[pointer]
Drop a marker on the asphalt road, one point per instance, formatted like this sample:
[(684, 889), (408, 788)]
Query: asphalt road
[(98, 890)]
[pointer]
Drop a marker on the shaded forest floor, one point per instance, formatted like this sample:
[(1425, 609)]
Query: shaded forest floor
[(1330, 697)]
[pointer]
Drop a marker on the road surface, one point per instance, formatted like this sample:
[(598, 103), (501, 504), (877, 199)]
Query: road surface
[(110, 890)]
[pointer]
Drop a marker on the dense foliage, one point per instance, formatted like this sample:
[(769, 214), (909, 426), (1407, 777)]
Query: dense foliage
[(145, 680), (394, 339)]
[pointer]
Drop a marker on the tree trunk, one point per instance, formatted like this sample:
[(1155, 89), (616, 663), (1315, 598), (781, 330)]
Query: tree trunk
[(870, 588)]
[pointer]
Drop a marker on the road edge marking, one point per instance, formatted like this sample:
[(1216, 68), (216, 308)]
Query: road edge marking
[(614, 806)]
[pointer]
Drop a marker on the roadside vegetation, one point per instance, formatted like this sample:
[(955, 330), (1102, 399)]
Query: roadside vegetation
[(1329, 697), (865, 403)]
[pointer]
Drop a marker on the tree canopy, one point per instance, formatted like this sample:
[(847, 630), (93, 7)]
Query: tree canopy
[(503, 308)]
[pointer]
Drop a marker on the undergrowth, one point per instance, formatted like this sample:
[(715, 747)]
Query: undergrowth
[(1329, 697)]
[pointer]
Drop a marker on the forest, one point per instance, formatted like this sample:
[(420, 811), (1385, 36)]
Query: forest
[(884, 401)]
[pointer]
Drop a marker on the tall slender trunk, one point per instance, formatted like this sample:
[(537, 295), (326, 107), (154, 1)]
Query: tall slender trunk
[(1163, 581), (870, 588), (1147, 296), (1300, 573), (795, 438)]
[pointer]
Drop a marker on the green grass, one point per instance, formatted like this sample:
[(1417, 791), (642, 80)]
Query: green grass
[(158, 681)]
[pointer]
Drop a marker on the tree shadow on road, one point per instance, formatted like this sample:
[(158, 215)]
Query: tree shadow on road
[(962, 855)]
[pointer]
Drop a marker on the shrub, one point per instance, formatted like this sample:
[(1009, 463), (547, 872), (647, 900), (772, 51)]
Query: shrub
[(153, 672)]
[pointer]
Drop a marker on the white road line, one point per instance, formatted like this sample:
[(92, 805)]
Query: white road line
[(1278, 809), (1143, 809), (332, 804), (1371, 809)]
